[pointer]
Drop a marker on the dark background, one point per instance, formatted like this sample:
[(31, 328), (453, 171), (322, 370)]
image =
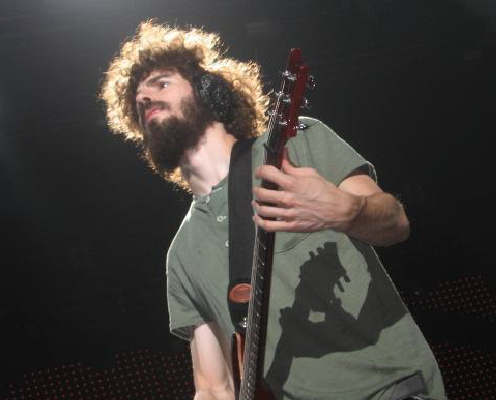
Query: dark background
[(85, 226)]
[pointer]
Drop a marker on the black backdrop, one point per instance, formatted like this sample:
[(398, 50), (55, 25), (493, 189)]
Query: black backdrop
[(85, 226)]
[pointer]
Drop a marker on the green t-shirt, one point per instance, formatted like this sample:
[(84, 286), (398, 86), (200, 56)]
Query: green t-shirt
[(337, 328)]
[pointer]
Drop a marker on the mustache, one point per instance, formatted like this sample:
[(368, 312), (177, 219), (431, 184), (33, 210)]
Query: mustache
[(143, 107)]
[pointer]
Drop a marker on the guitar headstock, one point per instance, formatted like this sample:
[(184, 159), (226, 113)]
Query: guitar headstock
[(283, 121)]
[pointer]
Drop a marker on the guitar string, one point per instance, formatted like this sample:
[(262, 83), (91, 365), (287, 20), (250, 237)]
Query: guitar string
[(252, 338)]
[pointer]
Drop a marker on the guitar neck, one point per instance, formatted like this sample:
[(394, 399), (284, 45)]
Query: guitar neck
[(258, 312), (283, 124)]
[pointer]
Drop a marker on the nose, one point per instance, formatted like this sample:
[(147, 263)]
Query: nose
[(143, 98)]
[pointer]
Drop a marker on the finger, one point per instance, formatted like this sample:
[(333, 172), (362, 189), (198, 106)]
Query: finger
[(274, 175), (273, 196), (266, 211), (293, 170), (275, 226), (287, 165)]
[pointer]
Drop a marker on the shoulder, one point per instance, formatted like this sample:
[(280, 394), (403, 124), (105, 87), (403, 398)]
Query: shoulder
[(315, 141), (315, 132)]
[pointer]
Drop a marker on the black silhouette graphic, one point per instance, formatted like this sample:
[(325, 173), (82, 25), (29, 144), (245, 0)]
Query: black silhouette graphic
[(324, 276)]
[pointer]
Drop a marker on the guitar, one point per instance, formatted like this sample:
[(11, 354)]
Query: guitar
[(248, 349)]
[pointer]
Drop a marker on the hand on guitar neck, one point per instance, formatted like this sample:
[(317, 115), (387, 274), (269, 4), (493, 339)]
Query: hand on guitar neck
[(306, 202)]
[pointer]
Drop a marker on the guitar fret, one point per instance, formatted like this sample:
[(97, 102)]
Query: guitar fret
[(260, 261)]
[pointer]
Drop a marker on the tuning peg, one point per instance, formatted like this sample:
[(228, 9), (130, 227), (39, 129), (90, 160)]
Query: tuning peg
[(288, 75), (311, 82), (305, 104), (284, 97)]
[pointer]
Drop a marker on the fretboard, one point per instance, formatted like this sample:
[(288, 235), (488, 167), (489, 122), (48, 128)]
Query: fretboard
[(283, 123)]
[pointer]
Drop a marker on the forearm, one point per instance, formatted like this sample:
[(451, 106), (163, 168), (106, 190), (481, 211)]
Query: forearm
[(379, 221), (211, 364)]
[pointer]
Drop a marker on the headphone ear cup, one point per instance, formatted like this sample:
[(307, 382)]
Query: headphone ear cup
[(216, 94)]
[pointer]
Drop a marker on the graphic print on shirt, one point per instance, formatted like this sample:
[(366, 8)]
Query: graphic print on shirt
[(345, 305)]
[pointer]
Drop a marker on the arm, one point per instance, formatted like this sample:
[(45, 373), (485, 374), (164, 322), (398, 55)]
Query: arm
[(212, 369), (381, 219), (308, 203)]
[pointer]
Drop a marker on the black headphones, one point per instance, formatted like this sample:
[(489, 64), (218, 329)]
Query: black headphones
[(217, 95)]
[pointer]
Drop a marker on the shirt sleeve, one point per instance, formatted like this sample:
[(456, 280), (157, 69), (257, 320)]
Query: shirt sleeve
[(184, 310), (321, 148)]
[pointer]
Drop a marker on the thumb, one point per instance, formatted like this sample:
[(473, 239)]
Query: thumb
[(287, 165)]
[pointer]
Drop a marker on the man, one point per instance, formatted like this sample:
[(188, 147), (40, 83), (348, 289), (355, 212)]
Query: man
[(337, 328)]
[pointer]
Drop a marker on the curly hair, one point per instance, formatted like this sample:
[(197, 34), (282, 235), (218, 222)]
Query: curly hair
[(191, 53)]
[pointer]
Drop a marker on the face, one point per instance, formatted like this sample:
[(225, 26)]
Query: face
[(159, 96), (172, 120)]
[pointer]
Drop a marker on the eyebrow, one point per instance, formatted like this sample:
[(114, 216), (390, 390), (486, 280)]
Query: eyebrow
[(152, 81)]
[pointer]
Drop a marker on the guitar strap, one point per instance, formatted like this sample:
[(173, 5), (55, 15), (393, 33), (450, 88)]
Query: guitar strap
[(241, 231)]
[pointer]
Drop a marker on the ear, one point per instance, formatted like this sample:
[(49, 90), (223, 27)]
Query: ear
[(217, 95)]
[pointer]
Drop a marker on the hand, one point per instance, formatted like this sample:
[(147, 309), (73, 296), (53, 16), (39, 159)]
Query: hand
[(306, 202)]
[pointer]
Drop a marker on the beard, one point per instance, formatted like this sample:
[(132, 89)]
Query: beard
[(165, 142)]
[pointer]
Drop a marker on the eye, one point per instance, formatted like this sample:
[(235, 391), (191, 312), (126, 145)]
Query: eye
[(163, 84)]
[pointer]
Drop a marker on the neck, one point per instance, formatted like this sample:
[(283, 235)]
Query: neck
[(208, 163)]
